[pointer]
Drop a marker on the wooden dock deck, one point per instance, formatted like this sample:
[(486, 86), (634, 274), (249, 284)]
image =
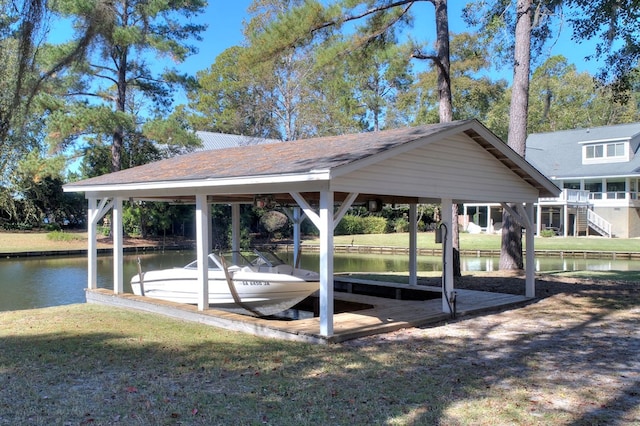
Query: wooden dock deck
[(383, 316)]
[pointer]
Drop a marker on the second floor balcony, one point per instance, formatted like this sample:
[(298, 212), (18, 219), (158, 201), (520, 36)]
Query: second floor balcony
[(569, 196)]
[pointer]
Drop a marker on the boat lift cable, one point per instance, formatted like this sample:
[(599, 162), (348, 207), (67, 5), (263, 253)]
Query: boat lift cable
[(234, 292)]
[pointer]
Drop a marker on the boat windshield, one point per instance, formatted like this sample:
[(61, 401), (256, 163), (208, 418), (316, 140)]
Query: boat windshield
[(241, 259), (213, 263), (266, 257)]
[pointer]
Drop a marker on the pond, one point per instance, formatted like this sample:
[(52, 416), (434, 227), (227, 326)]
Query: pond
[(28, 283)]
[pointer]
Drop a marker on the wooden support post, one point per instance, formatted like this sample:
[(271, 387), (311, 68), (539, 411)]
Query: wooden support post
[(447, 242), (530, 266), (118, 243), (326, 263), (413, 245), (235, 232), (92, 249), (203, 223)]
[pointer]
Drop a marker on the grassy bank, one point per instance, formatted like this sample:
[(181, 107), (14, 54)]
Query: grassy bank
[(547, 363), (12, 242), (490, 242)]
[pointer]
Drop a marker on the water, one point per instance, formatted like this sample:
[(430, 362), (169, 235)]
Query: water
[(51, 281)]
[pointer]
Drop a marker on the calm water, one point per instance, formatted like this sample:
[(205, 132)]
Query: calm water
[(51, 281)]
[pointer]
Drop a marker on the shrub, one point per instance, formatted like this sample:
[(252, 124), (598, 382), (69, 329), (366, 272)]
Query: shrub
[(350, 225), (401, 224), (51, 227), (546, 233), (374, 225)]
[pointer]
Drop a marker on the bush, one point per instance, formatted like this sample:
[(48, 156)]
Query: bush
[(350, 225), (374, 225), (401, 224), (51, 227), (546, 233)]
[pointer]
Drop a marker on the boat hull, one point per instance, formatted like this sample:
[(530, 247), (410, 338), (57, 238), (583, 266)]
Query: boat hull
[(263, 293)]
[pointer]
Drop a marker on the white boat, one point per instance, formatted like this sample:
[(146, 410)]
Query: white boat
[(256, 286)]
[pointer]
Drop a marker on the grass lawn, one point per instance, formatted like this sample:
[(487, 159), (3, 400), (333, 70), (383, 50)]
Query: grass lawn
[(11, 242), (571, 358), (490, 242)]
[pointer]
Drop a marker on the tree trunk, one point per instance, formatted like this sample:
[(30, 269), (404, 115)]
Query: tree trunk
[(121, 102), (518, 109), (445, 104), (511, 248), (445, 107)]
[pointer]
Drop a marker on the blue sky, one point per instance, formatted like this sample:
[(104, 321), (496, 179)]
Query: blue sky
[(225, 23)]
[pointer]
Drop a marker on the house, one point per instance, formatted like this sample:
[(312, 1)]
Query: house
[(598, 170), (444, 163), (601, 166)]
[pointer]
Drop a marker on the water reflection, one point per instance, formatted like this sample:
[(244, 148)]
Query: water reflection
[(50, 281)]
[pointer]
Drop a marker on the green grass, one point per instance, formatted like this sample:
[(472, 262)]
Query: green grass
[(90, 364), (489, 242), (65, 236)]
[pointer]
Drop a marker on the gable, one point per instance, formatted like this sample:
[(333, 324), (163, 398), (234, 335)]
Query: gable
[(455, 167)]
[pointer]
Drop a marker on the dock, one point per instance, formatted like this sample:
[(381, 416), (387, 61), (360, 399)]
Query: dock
[(374, 315)]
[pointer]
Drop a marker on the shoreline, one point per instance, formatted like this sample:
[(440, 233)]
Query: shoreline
[(348, 249)]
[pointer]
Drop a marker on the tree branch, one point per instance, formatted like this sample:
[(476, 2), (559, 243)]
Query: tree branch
[(371, 11)]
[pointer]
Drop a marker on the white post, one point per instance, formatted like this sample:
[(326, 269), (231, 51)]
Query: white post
[(203, 221), (530, 266), (565, 220), (326, 263), (539, 219), (297, 220), (465, 217), (92, 249), (118, 242), (413, 244), (447, 242), (489, 221)]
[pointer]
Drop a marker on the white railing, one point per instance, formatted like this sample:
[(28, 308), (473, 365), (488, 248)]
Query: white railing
[(611, 195), (599, 223), (570, 196)]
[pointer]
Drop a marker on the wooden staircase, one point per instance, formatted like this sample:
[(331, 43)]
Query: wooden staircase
[(593, 221)]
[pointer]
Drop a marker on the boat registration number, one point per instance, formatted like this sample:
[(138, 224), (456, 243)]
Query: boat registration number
[(254, 282)]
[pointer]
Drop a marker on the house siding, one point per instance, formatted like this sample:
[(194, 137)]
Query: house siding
[(438, 169), (619, 219), (634, 222)]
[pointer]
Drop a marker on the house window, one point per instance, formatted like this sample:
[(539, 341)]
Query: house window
[(595, 189), (605, 152), (615, 190), (571, 185), (595, 151)]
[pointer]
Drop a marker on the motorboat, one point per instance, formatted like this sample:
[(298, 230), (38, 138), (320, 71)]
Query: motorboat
[(258, 286)]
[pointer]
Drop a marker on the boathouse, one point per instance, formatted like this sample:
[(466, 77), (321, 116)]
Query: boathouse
[(320, 178)]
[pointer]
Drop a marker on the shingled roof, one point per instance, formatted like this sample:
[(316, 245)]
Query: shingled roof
[(294, 157), (559, 154), (302, 160)]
